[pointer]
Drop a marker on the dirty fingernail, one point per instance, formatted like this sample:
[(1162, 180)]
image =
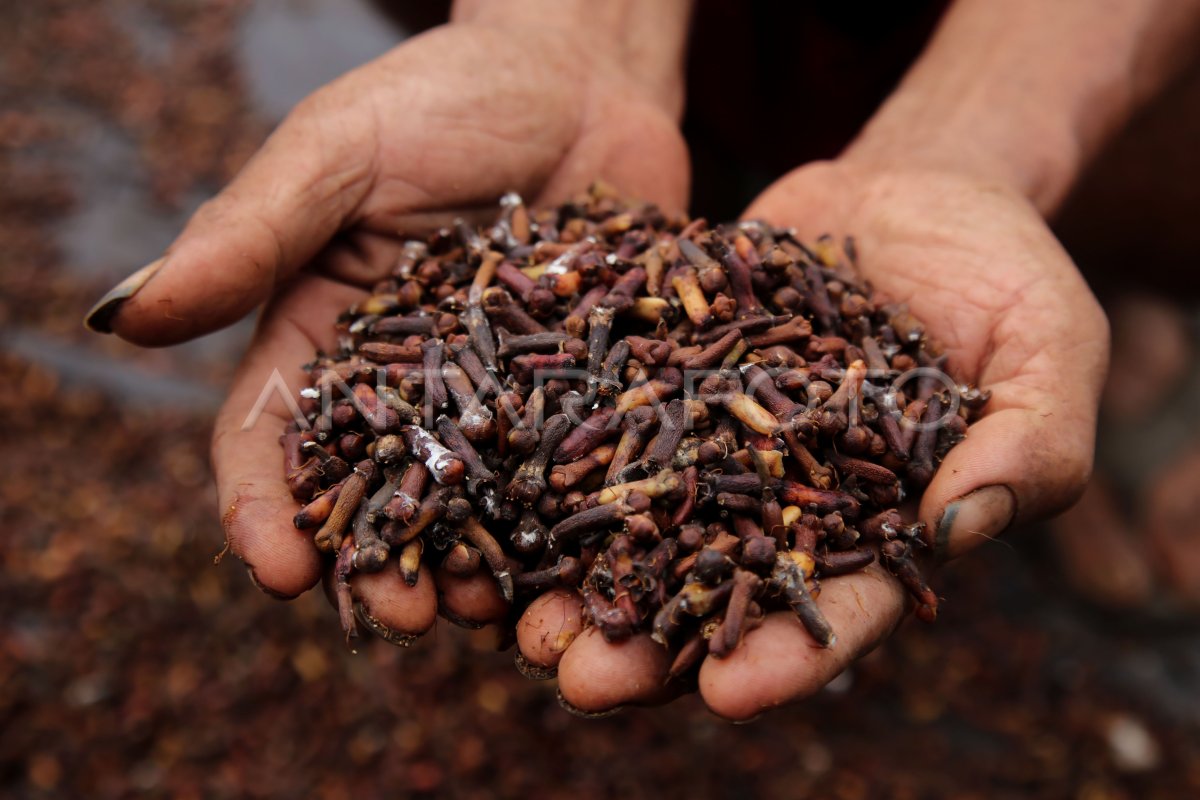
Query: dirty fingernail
[(363, 614), (975, 518), (581, 713), (101, 317), (267, 590), (534, 672)]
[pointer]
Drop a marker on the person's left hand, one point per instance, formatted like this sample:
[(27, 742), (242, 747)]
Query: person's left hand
[(976, 262)]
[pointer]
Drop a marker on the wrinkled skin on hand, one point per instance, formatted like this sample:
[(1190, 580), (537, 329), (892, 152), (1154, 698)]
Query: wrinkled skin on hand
[(455, 118), (446, 123), (978, 265)]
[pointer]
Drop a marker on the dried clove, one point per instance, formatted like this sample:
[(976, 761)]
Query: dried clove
[(689, 425)]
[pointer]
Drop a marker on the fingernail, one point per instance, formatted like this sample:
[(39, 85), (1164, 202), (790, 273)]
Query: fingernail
[(101, 317), (382, 631), (462, 622), (748, 720), (979, 516), (267, 590), (532, 671), (579, 712)]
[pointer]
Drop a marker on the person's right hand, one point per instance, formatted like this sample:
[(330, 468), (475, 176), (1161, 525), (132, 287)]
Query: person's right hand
[(448, 121)]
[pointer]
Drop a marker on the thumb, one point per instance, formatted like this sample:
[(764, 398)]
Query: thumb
[(1030, 456), (278, 213)]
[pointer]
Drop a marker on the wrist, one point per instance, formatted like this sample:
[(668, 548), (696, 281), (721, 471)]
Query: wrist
[(1025, 92), (647, 41), (1038, 158)]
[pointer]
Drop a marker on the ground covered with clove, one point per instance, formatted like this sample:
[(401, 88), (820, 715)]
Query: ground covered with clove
[(131, 666)]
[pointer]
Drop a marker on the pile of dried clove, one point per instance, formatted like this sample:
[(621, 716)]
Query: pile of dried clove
[(690, 425)]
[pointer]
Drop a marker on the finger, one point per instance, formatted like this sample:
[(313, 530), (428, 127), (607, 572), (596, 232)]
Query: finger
[(1031, 454), (470, 602), (1010, 463), (275, 216), (390, 607), (596, 676), (549, 626), (1046, 353), (780, 662), (257, 509)]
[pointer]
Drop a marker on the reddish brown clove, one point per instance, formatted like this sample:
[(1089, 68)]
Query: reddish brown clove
[(528, 481), (728, 493), (329, 538), (728, 635), (565, 476)]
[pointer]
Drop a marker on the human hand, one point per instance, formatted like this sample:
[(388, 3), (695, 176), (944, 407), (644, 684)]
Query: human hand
[(450, 120), (975, 261)]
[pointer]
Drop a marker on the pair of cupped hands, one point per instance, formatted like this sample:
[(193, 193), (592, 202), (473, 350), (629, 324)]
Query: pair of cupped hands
[(453, 119)]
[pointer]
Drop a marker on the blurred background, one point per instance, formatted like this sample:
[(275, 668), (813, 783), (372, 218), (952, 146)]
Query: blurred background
[(1067, 659)]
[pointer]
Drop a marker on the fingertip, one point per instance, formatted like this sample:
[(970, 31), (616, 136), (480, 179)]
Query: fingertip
[(390, 606), (548, 627), (1014, 464), (471, 602), (595, 675), (779, 662), (214, 274), (102, 316), (281, 560), (973, 519), (776, 663)]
